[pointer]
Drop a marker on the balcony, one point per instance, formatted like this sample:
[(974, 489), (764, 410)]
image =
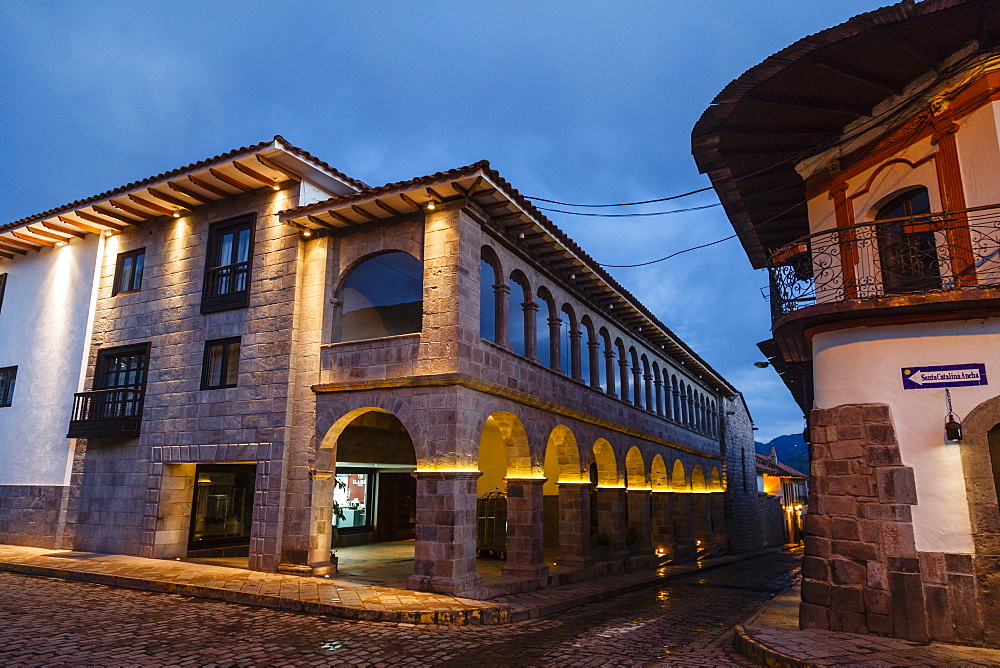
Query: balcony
[(226, 288), (106, 413), (895, 259)]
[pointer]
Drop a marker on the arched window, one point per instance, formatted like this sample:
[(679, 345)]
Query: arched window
[(676, 399), (569, 343), (908, 256), (624, 376), (608, 381), (636, 378), (543, 337), (647, 383), (657, 388), (381, 296), (490, 295), (520, 297), (590, 368)]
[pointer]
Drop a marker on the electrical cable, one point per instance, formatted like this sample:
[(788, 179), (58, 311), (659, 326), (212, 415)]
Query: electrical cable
[(598, 206), (630, 215)]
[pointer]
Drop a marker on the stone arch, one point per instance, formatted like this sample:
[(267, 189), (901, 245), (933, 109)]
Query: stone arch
[(678, 478), (658, 477), (715, 481), (547, 345), (356, 406), (567, 453), (607, 464), (520, 321), (635, 469), (517, 450), (366, 309), (980, 452), (698, 482), (492, 297)]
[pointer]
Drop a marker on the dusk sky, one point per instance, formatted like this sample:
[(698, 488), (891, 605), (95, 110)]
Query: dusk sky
[(589, 102)]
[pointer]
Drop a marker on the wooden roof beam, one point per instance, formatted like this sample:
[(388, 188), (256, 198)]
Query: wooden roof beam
[(169, 198), (321, 223), (46, 234), (132, 211), (236, 183), (409, 200), (858, 77), (388, 209), (361, 212), (799, 103), (273, 166), (153, 206), (34, 240), (83, 226), (7, 248), (343, 219), (201, 199), (64, 230), (7, 255), (434, 195), (100, 221), (17, 244), (257, 176), (205, 185)]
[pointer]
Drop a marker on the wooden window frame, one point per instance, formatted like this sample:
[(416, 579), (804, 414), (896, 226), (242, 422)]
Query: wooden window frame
[(8, 376), (106, 354), (134, 281), (206, 370), (211, 301)]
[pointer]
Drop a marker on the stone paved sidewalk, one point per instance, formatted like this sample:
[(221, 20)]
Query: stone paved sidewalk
[(772, 637), (333, 596)]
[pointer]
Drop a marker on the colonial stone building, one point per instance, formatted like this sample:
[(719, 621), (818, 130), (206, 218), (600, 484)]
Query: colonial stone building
[(861, 167), (254, 349)]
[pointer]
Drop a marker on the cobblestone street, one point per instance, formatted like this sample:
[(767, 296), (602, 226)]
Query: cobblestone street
[(687, 622)]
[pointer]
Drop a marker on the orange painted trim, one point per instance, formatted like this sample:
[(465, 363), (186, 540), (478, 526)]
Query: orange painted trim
[(893, 161), (920, 126), (953, 199), (848, 249)]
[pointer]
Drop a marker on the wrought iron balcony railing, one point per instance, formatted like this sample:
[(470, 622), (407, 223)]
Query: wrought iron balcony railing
[(226, 287), (903, 256), (104, 413)]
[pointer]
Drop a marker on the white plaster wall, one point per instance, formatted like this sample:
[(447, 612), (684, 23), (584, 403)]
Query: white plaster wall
[(979, 155), (863, 365), (44, 332)]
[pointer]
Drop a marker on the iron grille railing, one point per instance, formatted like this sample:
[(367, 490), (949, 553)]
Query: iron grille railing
[(922, 254), (226, 287), (103, 413)]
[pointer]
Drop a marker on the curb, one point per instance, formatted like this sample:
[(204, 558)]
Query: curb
[(760, 653), (495, 614)]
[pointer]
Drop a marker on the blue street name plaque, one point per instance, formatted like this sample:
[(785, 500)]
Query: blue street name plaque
[(949, 375)]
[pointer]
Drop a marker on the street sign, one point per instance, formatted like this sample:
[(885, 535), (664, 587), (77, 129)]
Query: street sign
[(949, 375)]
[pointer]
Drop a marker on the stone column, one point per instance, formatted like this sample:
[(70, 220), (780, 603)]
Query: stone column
[(611, 519), (501, 293), (445, 551), (530, 330), (574, 525), (701, 522), (525, 523), (555, 344), (639, 515), (623, 375), (609, 371), (662, 524), (717, 502), (594, 349), (637, 389), (576, 355), (658, 392), (684, 545)]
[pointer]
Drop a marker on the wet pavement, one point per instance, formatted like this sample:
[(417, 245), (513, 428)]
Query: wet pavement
[(687, 622)]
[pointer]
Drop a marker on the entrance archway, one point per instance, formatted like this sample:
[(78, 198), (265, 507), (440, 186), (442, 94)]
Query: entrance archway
[(566, 501)]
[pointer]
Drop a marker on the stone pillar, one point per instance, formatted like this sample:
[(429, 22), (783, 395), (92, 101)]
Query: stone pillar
[(574, 525), (530, 330), (525, 523), (445, 551), (684, 546), (717, 502), (623, 374), (639, 515), (594, 350), (637, 389), (609, 371), (576, 358), (701, 523), (611, 519), (555, 344), (502, 295), (661, 524)]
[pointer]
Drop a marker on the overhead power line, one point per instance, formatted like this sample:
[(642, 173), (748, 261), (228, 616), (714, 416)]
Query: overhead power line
[(630, 215), (600, 206)]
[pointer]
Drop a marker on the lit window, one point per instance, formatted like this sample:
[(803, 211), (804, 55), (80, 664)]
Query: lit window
[(227, 267), (128, 272), (350, 495), (221, 367), (7, 376)]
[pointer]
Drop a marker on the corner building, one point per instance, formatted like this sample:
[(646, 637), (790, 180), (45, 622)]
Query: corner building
[(861, 167), (251, 350)]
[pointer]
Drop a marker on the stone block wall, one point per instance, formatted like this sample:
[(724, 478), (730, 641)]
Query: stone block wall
[(862, 572), (33, 515)]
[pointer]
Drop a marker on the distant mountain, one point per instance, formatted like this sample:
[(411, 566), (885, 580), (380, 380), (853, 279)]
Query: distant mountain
[(791, 448)]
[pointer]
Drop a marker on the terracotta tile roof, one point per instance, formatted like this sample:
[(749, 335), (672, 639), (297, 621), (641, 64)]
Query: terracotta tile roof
[(768, 465), (193, 167), (526, 205)]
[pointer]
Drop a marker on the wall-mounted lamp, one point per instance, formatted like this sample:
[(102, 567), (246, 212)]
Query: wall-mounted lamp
[(307, 233), (60, 244), (431, 205), (952, 427), (521, 235)]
